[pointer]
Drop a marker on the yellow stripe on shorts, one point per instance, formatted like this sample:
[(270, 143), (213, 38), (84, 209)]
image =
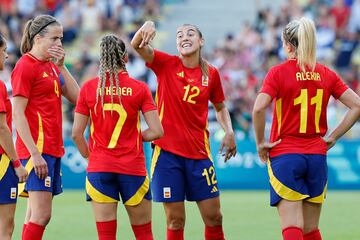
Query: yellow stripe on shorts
[(140, 193), (154, 159), (97, 196)]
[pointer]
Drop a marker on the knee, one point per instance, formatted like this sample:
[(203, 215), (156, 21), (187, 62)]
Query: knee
[(42, 218), (214, 219), (175, 221), (7, 228)]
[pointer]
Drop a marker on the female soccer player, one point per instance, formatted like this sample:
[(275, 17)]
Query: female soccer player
[(39, 80), (11, 170), (113, 102), (297, 167), (182, 167)]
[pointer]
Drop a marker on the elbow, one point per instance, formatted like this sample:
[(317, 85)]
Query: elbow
[(75, 135)]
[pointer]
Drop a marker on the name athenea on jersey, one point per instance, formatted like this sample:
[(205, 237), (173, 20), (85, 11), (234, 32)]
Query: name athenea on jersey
[(124, 91), (308, 76)]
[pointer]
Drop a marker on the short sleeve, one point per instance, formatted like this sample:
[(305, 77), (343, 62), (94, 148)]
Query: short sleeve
[(21, 79), (81, 105), (160, 58), (270, 85), (217, 93), (148, 102), (338, 86), (3, 97)]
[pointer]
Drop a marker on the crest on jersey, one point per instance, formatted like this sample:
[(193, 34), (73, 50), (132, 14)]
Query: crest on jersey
[(45, 75), (180, 74), (205, 81)]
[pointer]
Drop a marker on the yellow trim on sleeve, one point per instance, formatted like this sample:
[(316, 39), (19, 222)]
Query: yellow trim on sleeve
[(282, 190), (140, 193), (97, 196)]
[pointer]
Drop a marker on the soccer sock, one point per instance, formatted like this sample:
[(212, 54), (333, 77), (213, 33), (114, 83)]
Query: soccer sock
[(33, 231), (177, 234), (214, 233), (313, 235), (143, 232), (106, 230), (23, 231), (292, 233)]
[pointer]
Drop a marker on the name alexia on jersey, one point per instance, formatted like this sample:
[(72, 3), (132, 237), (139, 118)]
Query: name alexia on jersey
[(308, 76), (124, 91)]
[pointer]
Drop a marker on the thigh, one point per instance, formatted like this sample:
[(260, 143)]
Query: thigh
[(8, 181), (210, 211), (102, 187), (317, 178), (104, 212), (201, 182), (168, 179), (311, 213), (40, 203), (291, 213), (133, 189), (51, 182), (141, 213), (174, 211), (287, 174), (8, 218)]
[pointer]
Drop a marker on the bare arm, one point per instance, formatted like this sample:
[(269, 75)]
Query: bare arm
[(80, 123), (70, 90), (23, 129), (7, 144), (141, 40), (350, 99), (155, 129), (262, 102), (223, 118)]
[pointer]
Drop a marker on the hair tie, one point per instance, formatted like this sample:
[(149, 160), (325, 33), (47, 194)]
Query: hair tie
[(42, 28)]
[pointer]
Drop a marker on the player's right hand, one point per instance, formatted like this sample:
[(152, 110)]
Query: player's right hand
[(21, 173), (263, 149), (40, 166), (147, 32)]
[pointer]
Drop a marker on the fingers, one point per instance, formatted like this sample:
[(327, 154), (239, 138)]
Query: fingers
[(230, 152), (147, 36), (41, 170), (273, 144)]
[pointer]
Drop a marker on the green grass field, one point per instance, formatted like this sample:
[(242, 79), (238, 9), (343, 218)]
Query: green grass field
[(247, 216)]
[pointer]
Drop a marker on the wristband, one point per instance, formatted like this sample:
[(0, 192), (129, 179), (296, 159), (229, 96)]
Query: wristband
[(16, 163)]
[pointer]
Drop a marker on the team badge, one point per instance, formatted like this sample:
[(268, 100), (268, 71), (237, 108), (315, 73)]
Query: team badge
[(180, 74), (13, 193), (205, 81), (167, 192), (48, 181)]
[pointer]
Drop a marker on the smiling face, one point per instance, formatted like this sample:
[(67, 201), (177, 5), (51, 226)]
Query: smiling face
[(3, 55), (188, 40)]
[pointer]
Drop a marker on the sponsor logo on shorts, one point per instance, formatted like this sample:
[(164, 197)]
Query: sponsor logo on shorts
[(167, 192), (13, 193), (214, 189), (48, 181)]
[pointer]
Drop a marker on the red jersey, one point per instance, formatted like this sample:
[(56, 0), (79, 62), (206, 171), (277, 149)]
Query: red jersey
[(115, 141), (301, 100), (39, 82), (5, 107), (182, 97)]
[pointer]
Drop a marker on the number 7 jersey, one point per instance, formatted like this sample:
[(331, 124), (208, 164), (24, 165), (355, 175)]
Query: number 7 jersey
[(115, 140), (301, 100)]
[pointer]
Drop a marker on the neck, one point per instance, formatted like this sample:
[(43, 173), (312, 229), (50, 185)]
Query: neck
[(191, 61), (36, 53), (291, 55)]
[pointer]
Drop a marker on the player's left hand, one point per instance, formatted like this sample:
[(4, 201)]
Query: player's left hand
[(58, 54), (330, 142), (230, 147)]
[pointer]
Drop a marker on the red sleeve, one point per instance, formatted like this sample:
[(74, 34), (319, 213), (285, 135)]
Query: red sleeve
[(338, 86), (270, 85), (3, 97), (81, 106), (147, 102), (160, 58), (217, 93), (22, 78)]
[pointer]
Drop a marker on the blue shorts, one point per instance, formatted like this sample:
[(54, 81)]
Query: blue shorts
[(8, 181), (105, 187), (297, 177), (175, 178), (52, 183)]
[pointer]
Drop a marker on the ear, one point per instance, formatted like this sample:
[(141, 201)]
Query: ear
[(202, 42), (126, 58)]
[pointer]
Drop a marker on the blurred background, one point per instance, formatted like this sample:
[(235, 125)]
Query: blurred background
[(242, 41)]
